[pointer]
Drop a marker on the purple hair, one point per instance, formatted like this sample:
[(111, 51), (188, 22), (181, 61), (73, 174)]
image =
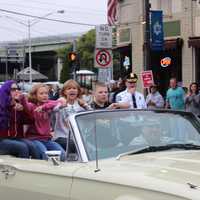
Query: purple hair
[(5, 103)]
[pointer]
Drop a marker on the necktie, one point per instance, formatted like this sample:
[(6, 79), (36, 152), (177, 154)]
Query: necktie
[(134, 101)]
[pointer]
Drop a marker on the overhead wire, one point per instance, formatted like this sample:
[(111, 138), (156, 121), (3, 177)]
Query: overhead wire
[(62, 5), (25, 23), (47, 19), (25, 30), (69, 10)]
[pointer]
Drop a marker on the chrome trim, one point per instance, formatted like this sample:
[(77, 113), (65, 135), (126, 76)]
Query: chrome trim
[(78, 138)]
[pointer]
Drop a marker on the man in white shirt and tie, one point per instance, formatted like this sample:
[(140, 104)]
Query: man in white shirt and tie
[(130, 96)]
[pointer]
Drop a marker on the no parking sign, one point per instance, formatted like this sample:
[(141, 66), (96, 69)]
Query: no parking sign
[(103, 58)]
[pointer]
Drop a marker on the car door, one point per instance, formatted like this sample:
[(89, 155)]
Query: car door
[(35, 180)]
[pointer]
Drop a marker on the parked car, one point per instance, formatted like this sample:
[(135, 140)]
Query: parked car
[(121, 155)]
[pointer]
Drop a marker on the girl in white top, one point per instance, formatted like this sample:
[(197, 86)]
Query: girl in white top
[(71, 93)]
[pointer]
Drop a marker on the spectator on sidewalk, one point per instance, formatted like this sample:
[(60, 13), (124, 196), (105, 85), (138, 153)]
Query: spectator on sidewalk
[(192, 100), (154, 98), (175, 96), (121, 86), (131, 97), (87, 96)]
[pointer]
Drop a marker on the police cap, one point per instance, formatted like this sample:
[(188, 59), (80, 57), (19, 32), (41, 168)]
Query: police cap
[(132, 77)]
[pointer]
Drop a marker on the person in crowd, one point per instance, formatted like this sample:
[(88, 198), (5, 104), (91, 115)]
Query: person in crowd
[(87, 96), (112, 89), (53, 92), (154, 98), (151, 135), (175, 96), (11, 122), (130, 96), (101, 99), (121, 86), (71, 96), (192, 100), (39, 132)]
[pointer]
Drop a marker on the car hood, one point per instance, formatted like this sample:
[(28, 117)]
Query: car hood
[(173, 172)]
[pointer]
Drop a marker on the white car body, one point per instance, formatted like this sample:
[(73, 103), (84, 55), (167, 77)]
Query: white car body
[(162, 175)]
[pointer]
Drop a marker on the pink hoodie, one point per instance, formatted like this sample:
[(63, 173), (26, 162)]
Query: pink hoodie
[(41, 127)]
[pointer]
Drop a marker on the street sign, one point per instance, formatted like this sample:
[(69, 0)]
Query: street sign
[(105, 75), (147, 78), (104, 37), (103, 58)]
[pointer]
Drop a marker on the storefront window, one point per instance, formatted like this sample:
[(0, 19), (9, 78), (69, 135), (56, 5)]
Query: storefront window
[(124, 35)]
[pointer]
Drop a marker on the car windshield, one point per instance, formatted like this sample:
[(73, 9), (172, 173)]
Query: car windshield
[(118, 132)]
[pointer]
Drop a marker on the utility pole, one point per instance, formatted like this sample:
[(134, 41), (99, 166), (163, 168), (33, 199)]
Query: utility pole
[(29, 52), (147, 35), (6, 77), (75, 63)]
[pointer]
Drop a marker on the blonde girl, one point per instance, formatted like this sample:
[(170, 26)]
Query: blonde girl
[(71, 98), (40, 107)]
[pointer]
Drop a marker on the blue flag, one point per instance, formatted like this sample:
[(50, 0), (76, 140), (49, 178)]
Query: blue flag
[(157, 34)]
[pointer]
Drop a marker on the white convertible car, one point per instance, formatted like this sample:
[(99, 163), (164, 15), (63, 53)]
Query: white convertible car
[(114, 155)]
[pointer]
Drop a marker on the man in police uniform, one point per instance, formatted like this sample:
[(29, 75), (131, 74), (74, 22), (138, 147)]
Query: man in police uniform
[(130, 96)]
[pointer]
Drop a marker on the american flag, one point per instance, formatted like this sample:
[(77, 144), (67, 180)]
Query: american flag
[(112, 11)]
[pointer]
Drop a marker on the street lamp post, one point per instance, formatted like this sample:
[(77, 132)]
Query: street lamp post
[(147, 35), (29, 40), (29, 52)]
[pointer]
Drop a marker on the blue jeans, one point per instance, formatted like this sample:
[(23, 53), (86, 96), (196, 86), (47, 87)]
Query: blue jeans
[(33, 150), (45, 145), (14, 147)]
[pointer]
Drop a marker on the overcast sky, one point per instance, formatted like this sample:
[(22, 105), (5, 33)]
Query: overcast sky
[(83, 11)]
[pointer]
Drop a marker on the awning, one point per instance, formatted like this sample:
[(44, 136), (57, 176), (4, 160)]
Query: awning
[(194, 42), (169, 44), (25, 74), (173, 43)]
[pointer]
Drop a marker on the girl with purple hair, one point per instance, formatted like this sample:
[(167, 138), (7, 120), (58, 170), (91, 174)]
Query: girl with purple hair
[(12, 121), (11, 127)]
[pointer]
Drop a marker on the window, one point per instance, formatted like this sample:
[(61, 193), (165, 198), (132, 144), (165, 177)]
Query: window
[(176, 6), (154, 4), (166, 6), (198, 4), (124, 35)]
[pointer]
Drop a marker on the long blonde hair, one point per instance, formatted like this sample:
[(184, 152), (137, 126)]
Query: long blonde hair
[(68, 84), (33, 93)]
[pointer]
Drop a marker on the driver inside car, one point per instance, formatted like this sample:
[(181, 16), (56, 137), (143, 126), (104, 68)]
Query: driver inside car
[(151, 135)]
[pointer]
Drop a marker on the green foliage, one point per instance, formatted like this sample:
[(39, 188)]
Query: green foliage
[(85, 50), (65, 72)]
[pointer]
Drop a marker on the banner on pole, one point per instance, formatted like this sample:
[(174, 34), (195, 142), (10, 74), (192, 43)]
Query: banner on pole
[(157, 33)]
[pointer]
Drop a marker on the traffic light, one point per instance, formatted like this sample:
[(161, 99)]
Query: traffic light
[(72, 56)]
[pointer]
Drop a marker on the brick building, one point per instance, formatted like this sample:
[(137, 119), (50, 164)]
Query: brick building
[(182, 39)]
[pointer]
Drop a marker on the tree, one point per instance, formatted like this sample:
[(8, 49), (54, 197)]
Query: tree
[(85, 48), (63, 54), (85, 51)]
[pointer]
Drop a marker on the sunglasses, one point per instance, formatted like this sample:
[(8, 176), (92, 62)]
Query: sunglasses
[(14, 88), (131, 82)]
